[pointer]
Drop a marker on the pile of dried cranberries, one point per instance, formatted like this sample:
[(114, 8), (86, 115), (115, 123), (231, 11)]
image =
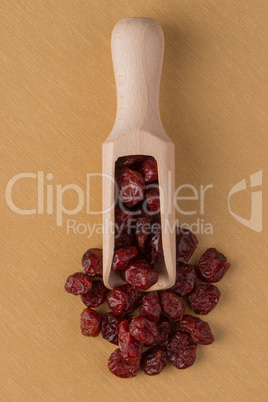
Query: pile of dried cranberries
[(162, 324)]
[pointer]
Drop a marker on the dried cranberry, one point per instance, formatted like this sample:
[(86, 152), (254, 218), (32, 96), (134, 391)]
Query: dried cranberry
[(124, 239), (198, 329), (130, 348), (119, 367), (185, 279), (96, 295), (123, 256), (145, 331), (149, 170), (204, 298), (181, 350), (152, 198), (109, 327), (172, 306), (150, 307), (123, 218), (186, 243), (90, 322), (212, 266), (156, 243), (143, 232), (164, 327), (154, 360), (130, 161), (123, 299), (92, 262), (130, 186), (140, 273), (78, 284)]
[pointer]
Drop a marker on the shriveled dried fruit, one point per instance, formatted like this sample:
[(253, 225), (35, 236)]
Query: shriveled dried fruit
[(145, 331), (172, 305), (109, 327), (152, 198), (212, 266), (156, 243), (130, 161), (143, 232), (150, 307), (185, 279), (92, 262), (96, 295), (123, 219), (90, 322), (123, 299), (130, 348), (119, 367), (186, 243), (130, 186), (181, 350), (204, 298), (164, 327), (78, 284), (140, 273), (198, 329), (123, 256), (154, 360), (149, 170), (124, 233), (124, 239)]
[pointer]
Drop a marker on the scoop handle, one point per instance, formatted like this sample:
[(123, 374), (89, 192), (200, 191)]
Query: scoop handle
[(137, 52)]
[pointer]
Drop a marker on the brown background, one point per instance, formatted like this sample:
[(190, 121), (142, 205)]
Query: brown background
[(58, 107)]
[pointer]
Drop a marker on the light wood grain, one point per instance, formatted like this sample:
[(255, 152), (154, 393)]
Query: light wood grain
[(137, 49)]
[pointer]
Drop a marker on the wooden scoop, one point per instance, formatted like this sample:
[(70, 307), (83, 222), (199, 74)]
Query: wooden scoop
[(137, 51)]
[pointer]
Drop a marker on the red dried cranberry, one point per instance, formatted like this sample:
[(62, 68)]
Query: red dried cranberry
[(140, 273), (143, 232), (92, 262), (186, 243), (204, 298), (90, 322), (150, 307), (123, 256), (153, 201), (149, 170), (212, 266), (164, 327), (123, 218), (145, 331), (181, 350), (78, 284), (172, 306), (154, 360), (96, 295), (124, 239), (119, 367), (156, 243), (198, 329), (130, 186), (130, 161), (185, 279), (123, 299), (109, 327), (124, 233), (130, 348)]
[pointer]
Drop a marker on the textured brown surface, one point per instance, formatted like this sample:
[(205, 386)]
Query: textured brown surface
[(58, 107)]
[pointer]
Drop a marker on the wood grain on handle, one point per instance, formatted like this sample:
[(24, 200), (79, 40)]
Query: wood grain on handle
[(137, 51)]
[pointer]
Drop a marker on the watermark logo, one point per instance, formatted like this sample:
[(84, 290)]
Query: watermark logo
[(188, 200), (255, 221)]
